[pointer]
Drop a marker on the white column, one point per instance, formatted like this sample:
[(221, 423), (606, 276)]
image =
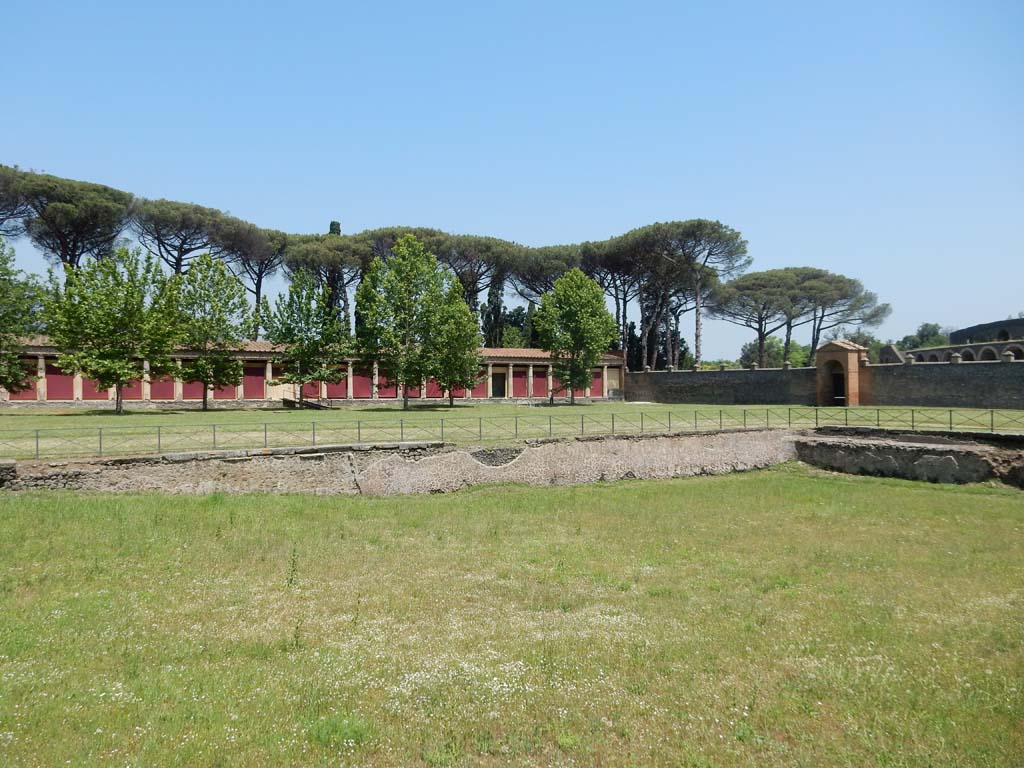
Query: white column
[(509, 391), (268, 376), (41, 378), (529, 381), (490, 370), (551, 379), (374, 394), (145, 381), (348, 380), (76, 386), (179, 385), (423, 390), (604, 381)]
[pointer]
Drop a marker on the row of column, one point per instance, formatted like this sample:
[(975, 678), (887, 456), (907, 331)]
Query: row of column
[(349, 380)]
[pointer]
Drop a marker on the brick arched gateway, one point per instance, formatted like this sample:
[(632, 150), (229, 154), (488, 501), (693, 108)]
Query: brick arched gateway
[(838, 374)]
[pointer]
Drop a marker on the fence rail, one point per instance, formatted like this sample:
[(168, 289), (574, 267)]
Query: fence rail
[(172, 438)]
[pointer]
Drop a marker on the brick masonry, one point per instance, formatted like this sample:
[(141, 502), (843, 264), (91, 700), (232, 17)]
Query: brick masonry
[(944, 385)]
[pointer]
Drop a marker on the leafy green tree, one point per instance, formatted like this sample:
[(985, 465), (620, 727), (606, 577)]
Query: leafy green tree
[(71, 220), (12, 203), (336, 263), (399, 305), (177, 232), (215, 313), (837, 300), (19, 298), (111, 315), (927, 335), (774, 354), (756, 300), (456, 340), (864, 338), (313, 340), (254, 255), (575, 328)]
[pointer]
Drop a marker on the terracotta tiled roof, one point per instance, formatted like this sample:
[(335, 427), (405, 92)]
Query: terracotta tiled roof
[(844, 344), (266, 348)]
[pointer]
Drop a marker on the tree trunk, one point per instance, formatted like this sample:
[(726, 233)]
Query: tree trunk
[(206, 396), (789, 339), (118, 400), (698, 303), (760, 348), (451, 397), (405, 396), (258, 293)]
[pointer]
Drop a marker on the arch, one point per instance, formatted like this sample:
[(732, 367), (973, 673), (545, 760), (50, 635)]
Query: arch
[(948, 357), (1003, 335), (920, 358), (988, 354), (835, 383), (1017, 352), (968, 356), (933, 358)]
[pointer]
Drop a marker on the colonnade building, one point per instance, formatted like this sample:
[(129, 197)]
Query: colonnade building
[(507, 373)]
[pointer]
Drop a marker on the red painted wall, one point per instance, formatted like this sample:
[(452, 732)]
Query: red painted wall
[(132, 390), (60, 385), (386, 388), (519, 382), (337, 389), (30, 393), (458, 392), (362, 385), (434, 389), (161, 389), (414, 392), (540, 382), (254, 377), (311, 390), (192, 390), (480, 390), (89, 391), (222, 393), (597, 384)]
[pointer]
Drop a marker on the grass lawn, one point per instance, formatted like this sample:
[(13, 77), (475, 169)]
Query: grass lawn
[(58, 432), (785, 617)]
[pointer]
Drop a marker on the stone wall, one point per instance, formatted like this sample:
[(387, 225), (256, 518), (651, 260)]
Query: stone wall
[(383, 470), (770, 386), (944, 385)]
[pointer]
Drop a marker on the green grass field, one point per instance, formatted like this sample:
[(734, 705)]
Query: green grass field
[(55, 433), (779, 618)]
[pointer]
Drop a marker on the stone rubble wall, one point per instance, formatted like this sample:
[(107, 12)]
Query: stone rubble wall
[(913, 458), (383, 470)]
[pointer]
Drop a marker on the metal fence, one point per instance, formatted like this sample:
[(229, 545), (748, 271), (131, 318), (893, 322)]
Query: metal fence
[(173, 438)]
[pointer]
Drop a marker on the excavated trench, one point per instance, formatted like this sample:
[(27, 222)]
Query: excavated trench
[(399, 468)]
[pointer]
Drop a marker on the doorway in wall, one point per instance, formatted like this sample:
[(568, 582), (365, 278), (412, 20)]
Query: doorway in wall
[(837, 384), (498, 384)]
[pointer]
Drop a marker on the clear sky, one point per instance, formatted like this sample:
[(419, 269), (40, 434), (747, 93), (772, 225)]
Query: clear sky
[(882, 140)]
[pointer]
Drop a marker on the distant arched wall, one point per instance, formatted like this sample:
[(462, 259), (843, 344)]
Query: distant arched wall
[(988, 353), (968, 356), (1017, 352)]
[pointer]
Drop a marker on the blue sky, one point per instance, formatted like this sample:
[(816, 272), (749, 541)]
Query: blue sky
[(881, 140)]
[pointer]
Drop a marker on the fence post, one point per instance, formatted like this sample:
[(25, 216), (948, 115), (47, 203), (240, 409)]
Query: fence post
[(846, 414), (550, 429), (581, 423), (912, 423), (950, 419), (265, 443), (401, 429), (37, 443), (789, 418), (215, 436), (815, 418), (878, 417), (314, 434), (696, 421), (100, 429), (158, 450), (670, 421), (744, 418), (613, 423), (442, 429), (641, 422), (480, 428), (359, 431), (721, 421), (517, 425), (991, 420)]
